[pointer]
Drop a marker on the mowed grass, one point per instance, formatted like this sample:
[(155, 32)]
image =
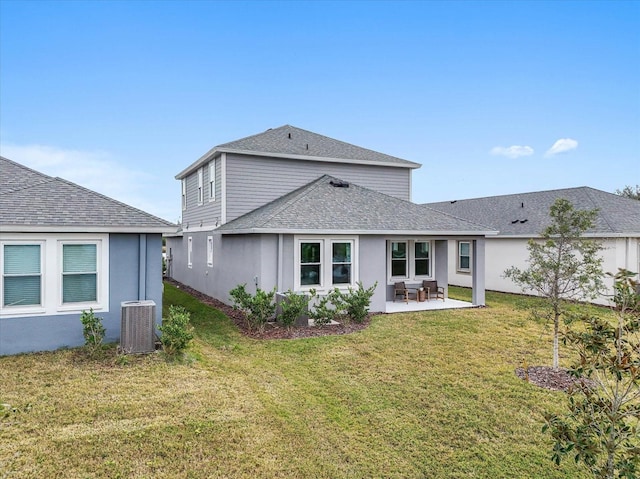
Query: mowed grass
[(429, 394)]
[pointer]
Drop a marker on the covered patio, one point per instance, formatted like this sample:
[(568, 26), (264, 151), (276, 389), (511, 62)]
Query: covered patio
[(431, 305)]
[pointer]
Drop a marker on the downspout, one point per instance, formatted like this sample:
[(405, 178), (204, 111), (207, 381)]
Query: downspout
[(223, 188), (142, 267), (280, 259)]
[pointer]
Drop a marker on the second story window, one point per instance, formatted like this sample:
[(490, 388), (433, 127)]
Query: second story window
[(184, 193), (212, 180), (200, 180)]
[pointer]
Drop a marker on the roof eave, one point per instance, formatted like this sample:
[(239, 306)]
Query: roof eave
[(8, 229), (385, 232), (214, 151)]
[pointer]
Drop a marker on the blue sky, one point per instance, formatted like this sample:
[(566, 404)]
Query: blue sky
[(490, 97)]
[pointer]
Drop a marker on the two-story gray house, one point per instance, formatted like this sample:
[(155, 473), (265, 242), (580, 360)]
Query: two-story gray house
[(296, 210)]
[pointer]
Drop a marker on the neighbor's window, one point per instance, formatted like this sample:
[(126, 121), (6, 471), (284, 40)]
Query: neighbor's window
[(399, 259), (210, 251), (22, 275), (184, 193), (79, 273), (200, 192), (421, 258), (311, 263), (212, 180), (341, 262), (464, 256)]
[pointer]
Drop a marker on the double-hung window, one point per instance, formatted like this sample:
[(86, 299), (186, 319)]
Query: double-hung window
[(210, 251), (184, 193), (341, 261), (22, 275), (212, 180), (79, 273), (409, 260), (326, 262), (200, 185), (464, 256), (311, 263)]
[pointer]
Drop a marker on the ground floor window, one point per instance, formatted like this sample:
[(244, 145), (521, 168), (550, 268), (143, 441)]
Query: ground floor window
[(409, 259), (325, 262), (50, 274), (464, 256), (22, 275)]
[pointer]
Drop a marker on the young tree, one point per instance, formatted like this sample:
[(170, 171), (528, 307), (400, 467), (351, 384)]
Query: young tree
[(602, 426), (563, 267), (630, 192)]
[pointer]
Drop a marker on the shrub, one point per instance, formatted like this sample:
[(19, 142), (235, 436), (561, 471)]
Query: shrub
[(328, 307), (176, 331), (258, 308), (92, 330), (355, 303), (293, 306)]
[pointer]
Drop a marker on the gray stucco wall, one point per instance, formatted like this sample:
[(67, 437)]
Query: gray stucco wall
[(45, 333)]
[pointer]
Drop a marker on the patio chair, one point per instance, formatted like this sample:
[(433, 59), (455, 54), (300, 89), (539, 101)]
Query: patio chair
[(400, 289), (433, 290)]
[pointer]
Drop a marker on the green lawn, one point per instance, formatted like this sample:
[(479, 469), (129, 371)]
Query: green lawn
[(429, 394)]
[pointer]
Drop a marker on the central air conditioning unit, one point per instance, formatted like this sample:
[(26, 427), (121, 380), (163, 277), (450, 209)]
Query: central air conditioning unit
[(137, 327)]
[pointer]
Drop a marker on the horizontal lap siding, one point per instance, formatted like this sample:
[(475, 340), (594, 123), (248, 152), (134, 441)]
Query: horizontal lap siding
[(209, 211), (253, 182)]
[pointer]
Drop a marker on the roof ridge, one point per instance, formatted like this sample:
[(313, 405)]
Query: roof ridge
[(47, 179), (513, 194), (251, 136), (307, 188), (108, 198), (599, 210)]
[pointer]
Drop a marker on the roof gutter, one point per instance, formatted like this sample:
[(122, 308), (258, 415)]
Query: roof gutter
[(354, 232), (87, 229)]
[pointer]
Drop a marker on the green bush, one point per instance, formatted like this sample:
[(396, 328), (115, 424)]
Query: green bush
[(293, 306), (258, 308), (355, 303), (176, 331), (92, 330), (327, 308)]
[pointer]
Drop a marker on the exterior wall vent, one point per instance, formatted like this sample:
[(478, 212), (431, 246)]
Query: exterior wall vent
[(137, 327)]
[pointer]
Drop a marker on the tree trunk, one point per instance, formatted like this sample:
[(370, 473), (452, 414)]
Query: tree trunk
[(556, 322)]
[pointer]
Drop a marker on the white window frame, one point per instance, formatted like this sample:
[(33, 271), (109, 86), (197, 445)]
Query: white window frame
[(326, 262), (190, 251), (100, 293), (210, 251), (411, 260), (459, 268), (184, 193), (212, 180), (32, 308), (51, 272), (200, 186)]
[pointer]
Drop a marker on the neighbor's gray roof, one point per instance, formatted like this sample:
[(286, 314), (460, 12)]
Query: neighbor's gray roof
[(617, 216), (291, 142), (33, 201), (319, 207)]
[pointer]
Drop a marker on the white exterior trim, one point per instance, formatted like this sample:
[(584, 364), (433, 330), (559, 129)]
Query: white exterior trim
[(431, 233), (326, 280), (223, 188), (211, 153), (51, 273)]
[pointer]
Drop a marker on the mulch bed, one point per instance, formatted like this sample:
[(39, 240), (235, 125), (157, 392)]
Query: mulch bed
[(549, 378), (272, 330)]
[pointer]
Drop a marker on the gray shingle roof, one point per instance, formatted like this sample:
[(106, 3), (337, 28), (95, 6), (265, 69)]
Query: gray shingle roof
[(295, 142), (319, 207), (618, 216), (32, 201)]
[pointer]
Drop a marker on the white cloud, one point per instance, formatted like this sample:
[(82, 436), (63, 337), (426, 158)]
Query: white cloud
[(97, 170), (515, 151), (561, 146)]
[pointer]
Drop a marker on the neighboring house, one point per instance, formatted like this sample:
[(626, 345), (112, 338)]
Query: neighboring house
[(65, 249), (523, 216), (295, 210)]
